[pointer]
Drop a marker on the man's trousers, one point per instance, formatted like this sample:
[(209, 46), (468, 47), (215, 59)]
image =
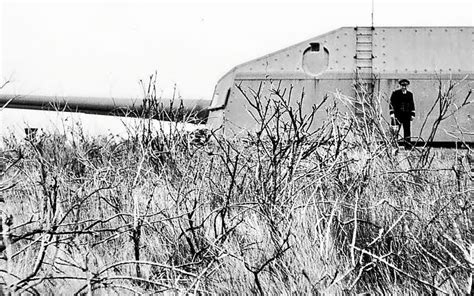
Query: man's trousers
[(406, 123)]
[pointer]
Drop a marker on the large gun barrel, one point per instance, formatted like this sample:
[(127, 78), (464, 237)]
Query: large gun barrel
[(194, 111)]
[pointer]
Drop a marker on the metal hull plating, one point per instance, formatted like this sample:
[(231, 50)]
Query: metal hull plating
[(377, 57)]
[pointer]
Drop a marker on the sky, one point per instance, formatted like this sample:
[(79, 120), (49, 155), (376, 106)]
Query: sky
[(104, 48)]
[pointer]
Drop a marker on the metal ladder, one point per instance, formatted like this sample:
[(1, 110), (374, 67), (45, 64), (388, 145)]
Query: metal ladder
[(364, 81)]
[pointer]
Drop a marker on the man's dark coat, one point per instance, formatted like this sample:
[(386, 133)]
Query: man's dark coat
[(402, 105)]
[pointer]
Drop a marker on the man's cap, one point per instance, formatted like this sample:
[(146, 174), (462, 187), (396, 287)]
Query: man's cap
[(403, 81)]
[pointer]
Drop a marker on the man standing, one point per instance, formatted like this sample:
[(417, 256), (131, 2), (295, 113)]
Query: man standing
[(402, 110)]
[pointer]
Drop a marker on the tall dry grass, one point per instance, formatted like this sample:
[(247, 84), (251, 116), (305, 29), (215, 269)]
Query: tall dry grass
[(288, 209)]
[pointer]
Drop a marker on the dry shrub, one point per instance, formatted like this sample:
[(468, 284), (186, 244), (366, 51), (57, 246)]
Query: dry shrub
[(287, 209)]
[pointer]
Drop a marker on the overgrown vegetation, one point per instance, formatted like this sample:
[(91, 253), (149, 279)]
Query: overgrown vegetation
[(287, 209)]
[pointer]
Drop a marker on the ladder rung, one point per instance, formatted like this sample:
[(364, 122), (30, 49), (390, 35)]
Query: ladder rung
[(365, 47), (364, 56), (366, 29)]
